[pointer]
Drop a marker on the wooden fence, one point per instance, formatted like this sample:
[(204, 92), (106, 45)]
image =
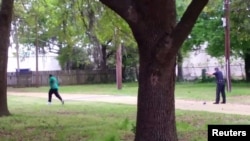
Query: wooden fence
[(72, 77)]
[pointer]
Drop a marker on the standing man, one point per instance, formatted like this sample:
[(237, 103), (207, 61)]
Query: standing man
[(53, 89), (220, 86)]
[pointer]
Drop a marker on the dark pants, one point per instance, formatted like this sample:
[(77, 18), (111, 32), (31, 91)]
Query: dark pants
[(54, 91), (220, 89)]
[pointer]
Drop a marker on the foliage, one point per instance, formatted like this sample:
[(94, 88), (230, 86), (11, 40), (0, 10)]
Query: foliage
[(107, 25), (76, 58), (200, 34), (87, 25), (209, 28), (240, 27)]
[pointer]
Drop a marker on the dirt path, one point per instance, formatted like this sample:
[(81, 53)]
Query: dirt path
[(179, 104)]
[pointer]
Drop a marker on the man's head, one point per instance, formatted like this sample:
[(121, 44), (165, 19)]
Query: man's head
[(216, 69), (50, 75)]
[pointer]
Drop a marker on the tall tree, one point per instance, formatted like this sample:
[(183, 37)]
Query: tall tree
[(5, 27), (159, 38), (70, 26), (239, 30), (181, 6)]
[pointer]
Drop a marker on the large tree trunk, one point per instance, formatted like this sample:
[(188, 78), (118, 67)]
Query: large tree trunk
[(153, 24), (247, 66), (5, 26), (156, 104)]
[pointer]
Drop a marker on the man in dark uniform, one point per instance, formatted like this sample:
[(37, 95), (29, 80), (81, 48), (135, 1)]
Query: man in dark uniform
[(220, 86)]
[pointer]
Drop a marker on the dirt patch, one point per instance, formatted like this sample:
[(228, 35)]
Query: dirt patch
[(240, 99)]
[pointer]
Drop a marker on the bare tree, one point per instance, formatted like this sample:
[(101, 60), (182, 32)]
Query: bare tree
[(159, 38)]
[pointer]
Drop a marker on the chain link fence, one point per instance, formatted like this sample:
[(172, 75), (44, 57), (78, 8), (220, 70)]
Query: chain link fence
[(195, 72)]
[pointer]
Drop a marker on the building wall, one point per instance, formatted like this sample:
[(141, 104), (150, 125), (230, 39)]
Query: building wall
[(45, 63)]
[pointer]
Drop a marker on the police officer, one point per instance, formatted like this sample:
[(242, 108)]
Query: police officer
[(220, 86)]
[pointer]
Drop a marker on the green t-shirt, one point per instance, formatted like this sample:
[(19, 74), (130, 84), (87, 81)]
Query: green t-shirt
[(53, 82)]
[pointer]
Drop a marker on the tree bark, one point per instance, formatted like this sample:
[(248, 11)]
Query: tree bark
[(104, 57), (5, 27), (247, 66), (153, 24), (156, 104), (179, 67)]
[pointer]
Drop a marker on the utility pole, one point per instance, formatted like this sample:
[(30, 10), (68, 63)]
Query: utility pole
[(227, 43), (118, 60)]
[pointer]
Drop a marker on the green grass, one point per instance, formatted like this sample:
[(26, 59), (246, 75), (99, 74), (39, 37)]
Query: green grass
[(206, 91), (32, 119), (195, 91)]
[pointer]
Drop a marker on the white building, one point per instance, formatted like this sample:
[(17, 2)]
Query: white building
[(196, 61), (47, 62)]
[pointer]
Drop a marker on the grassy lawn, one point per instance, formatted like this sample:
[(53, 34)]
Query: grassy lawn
[(194, 91), (32, 119)]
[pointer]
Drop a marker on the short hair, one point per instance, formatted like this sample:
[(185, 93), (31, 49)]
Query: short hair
[(50, 75), (216, 69)]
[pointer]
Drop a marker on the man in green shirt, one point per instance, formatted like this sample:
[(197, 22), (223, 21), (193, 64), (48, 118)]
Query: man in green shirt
[(54, 89)]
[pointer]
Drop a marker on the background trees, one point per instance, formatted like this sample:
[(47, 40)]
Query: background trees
[(210, 20), (82, 26), (240, 30), (89, 28)]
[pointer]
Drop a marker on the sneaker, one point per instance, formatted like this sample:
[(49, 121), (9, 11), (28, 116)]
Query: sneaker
[(223, 102), (216, 103), (49, 103)]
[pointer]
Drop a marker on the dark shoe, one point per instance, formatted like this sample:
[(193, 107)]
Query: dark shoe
[(223, 102), (216, 103)]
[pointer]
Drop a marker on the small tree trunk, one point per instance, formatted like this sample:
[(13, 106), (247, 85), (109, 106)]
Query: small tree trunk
[(179, 67), (104, 58), (247, 66)]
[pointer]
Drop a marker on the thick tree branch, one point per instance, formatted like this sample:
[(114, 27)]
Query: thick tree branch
[(124, 8), (188, 20)]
